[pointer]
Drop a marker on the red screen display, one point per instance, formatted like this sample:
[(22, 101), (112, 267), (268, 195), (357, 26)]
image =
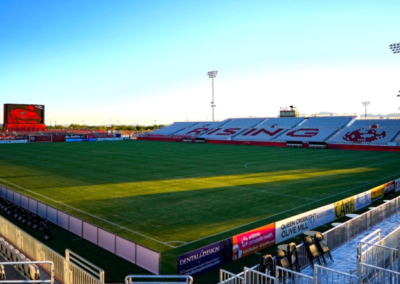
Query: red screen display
[(24, 114)]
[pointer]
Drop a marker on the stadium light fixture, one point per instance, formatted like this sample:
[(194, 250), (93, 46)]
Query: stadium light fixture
[(395, 47), (365, 104), (212, 75)]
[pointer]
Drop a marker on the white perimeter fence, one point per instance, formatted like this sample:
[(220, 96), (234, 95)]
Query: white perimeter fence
[(126, 249)]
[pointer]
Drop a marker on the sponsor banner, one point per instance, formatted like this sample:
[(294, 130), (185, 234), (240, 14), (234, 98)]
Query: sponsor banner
[(73, 140), (18, 141), (4, 141), (344, 207), (300, 223), (377, 193), (363, 200), (7, 137), (75, 136), (205, 259), (110, 139), (80, 139), (388, 188), (252, 241), (23, 137), (397, 185)]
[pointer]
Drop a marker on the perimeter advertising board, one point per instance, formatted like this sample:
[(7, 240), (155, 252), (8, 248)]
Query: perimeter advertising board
[(397, 185), (205, 259), (389, 187), (252, 241), (300, 223), (377, 193), (344, 206), (362, 200)]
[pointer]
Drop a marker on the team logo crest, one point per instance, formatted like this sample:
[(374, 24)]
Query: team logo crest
[(364, 135)]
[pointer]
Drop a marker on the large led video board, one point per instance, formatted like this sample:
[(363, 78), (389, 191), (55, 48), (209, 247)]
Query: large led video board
[(23, 114)]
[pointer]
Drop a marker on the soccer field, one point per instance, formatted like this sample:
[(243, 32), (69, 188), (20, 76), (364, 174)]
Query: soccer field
[(181, 196)]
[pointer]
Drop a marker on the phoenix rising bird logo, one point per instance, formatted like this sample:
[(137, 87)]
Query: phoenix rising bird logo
[(364, 135), (24, 114)]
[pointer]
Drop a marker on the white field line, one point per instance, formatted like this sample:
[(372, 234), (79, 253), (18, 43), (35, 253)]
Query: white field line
[(88, 214), (175, 242), (280, 213)]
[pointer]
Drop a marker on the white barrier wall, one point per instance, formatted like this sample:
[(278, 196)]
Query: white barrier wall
[(126, 249)]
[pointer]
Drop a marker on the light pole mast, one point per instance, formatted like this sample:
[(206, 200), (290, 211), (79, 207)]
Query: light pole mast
[(365, 104), (212, 75), (395, 47)]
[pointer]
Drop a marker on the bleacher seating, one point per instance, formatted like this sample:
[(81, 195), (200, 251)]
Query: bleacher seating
[(363, 135), (169, 130), (231, 128), (331, 129), (307, 134), (329, 121), (199, 128), (377, 122), (243, 122), (283, 122), (261, 134)]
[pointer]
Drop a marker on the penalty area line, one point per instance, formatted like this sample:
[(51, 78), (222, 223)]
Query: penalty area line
[(88, 214)]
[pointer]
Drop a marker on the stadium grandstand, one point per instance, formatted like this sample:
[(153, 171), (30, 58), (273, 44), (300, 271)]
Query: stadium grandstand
[(36, 262), (333, 131)]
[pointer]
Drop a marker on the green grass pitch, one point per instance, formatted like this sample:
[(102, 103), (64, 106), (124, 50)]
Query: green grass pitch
[(175, 197)]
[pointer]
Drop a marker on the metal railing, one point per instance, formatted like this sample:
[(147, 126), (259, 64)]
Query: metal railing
[(89, 267), (324, 275), (19, 263), (159, 279), (375, 275), (256, 277), (122, 247), (338, 236), (226, 277), (64, 271), (379, 256), (289, 276), (349, 230)]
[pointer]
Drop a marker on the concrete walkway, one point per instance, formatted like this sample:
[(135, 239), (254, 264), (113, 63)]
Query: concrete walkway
[(345, 257)]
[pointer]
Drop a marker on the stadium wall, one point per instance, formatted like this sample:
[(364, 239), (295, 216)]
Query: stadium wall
[(227, 142), (284, 144), (124, 248), (364, 147)]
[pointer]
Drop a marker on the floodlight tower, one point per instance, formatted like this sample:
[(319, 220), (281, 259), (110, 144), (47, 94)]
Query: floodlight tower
[(365, 104), (395, 48), (212, 74)]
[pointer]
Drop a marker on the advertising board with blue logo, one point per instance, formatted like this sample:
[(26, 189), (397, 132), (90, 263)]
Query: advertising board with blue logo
[(205, 259)]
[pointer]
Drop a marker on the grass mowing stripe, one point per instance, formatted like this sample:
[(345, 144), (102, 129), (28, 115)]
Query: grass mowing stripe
[(290, 210), (55, 201), (188, 193)]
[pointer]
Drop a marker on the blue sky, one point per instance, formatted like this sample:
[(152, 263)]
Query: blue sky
[(140, 62)]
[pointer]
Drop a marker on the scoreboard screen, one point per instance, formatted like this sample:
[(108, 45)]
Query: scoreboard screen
[(23, 114)]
